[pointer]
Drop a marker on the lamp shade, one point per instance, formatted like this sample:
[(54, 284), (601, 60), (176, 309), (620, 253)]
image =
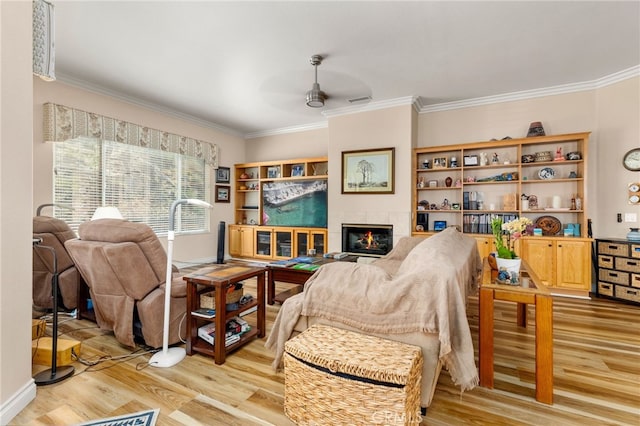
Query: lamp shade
[(106, 212)]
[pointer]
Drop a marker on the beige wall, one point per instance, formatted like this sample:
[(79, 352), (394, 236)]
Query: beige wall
[(386, 128), (231, 150), (618, 131), (16, 170), (308, 143)]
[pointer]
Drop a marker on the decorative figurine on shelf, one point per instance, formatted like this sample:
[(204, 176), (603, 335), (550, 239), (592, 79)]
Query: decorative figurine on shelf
[(458, 183), (484, 159), (448, 181), (495, 159), (453, 162), (559, 156), (421, 182), (445, 204)]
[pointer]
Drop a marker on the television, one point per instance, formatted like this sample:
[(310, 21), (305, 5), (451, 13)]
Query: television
[(301, 203)]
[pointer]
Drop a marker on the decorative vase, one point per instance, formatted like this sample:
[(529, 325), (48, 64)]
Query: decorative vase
[(633, 235), (448, 181), (511, 265), (535, 129)]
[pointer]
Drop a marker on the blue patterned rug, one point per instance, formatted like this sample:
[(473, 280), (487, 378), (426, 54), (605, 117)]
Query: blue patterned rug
[(142, 418)]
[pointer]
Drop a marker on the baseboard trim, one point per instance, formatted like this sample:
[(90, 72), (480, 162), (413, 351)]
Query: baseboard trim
[(14, 405)]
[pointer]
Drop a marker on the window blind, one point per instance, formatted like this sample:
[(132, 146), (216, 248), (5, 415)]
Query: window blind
[(142, 183)]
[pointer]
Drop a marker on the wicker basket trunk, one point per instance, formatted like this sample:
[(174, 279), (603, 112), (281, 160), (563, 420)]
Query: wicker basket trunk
[(338, 377)]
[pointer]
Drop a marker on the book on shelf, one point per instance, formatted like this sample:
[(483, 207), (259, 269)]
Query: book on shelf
[(249, 311), (204, 313), (207, 333), (238, 325)]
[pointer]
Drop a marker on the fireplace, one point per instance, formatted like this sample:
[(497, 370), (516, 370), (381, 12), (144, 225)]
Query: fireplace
[(367, 240)]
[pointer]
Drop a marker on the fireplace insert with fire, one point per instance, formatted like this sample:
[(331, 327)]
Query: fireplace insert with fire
[(367, 240)]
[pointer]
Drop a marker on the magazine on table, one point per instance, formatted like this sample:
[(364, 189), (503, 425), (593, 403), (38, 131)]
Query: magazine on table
[(306, 259), (204, 313), (283, 263), (306, 266)]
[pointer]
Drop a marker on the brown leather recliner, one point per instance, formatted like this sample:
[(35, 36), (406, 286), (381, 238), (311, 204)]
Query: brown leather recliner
[(124, 265), (54, 232)]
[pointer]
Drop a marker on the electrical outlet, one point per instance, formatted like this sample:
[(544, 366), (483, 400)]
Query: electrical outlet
[(630, 217)]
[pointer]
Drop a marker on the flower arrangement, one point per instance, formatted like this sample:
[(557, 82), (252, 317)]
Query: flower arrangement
[(514, 230)]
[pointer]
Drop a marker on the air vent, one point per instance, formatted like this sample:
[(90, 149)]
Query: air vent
[(360, 99)]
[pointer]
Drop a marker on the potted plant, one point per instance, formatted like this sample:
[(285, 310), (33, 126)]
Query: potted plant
[(505, 235)]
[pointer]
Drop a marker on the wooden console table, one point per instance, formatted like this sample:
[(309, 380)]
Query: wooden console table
[(219, 280), (529, 291)]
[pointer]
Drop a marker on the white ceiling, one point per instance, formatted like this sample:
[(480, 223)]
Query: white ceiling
[(244, 66)]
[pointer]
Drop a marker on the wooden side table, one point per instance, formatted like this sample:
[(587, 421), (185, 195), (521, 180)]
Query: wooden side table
[(219, 280), (529, 291)]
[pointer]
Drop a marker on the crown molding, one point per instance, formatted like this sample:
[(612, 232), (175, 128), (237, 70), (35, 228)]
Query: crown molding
[(284, 130), (536, 93), (371, 106), (90, 87), (618, 77), (417, 102)]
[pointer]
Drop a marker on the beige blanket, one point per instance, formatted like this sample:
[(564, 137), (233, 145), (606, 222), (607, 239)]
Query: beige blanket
[(427, 294)]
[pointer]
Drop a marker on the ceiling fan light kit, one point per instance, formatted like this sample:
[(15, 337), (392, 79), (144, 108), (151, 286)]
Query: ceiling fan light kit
[(315, 96)]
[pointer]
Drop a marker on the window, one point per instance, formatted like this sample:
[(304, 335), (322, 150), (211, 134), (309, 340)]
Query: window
[(141, 182)]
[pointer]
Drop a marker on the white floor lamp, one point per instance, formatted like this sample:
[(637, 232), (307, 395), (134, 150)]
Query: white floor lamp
[(169, 357)]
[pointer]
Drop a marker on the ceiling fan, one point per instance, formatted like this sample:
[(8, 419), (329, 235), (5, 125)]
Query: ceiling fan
[(283, 90), (315, 96)]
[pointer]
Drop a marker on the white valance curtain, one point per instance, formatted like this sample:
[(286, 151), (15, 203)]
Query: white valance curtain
[(62, 123)]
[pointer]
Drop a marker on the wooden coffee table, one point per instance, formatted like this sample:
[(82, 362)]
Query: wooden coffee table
[(293, 276), (529, 291)]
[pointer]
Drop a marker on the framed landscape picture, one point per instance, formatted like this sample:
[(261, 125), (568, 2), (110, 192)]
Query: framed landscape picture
[(223, 194), (368, 171), (223, 175)]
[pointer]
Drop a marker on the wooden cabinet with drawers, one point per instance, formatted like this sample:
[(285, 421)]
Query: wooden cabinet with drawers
[(618, 269)]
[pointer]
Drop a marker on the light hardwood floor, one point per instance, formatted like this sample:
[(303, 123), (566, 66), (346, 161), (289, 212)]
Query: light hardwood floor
[(596, 377)]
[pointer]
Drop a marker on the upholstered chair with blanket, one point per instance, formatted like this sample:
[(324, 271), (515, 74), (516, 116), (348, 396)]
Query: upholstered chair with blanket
[(53, 232), (124, 265)]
